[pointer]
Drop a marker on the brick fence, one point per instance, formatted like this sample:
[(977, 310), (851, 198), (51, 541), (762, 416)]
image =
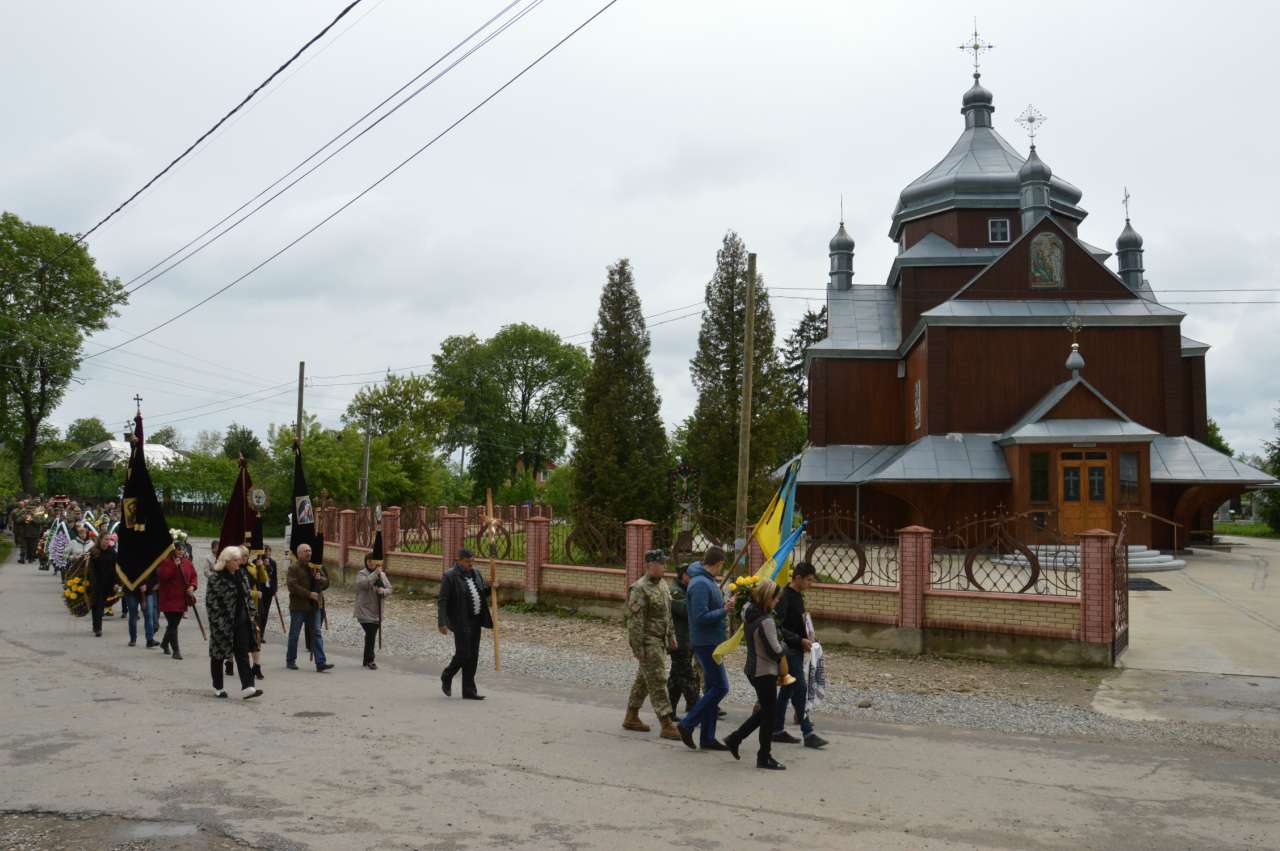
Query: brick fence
[(909, 616)]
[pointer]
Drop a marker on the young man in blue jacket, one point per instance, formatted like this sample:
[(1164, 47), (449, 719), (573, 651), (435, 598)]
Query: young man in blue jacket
[(707, 618)]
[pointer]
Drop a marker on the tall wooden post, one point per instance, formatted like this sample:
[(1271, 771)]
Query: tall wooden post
[(302, 375), (744, 421)]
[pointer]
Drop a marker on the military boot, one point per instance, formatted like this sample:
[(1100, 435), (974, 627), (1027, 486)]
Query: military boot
[(669, 729), (633, 722)]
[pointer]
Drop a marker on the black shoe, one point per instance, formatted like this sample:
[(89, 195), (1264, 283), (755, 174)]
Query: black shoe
[(720, 713), (97, 633), (713, 745), (472, 696), (133, 643), (786, 738), (165, 648), (320, 669), (230, 668), (813, 740), (731, 742), (770, 764), (446, 685), (152, 643), (257, 672), (372, 666), (177, 655), (686, 736)]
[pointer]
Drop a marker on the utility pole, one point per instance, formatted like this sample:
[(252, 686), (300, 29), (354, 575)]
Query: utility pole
[(302, 376), (744, 421), (364, 481)]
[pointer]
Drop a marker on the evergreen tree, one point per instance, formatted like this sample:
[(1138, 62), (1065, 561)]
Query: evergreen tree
[(812, 329), (620, 462), (777, 426)]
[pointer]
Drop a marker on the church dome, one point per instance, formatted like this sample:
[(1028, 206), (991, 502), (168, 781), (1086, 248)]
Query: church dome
[(1034, 168), (841, 242), (1129, 238), (979, 172)]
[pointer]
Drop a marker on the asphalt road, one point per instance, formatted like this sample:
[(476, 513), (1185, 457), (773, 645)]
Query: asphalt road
[(360, 759)]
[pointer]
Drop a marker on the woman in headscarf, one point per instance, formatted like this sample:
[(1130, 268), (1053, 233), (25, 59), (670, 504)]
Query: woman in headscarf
[(231, 621), (178, 581)]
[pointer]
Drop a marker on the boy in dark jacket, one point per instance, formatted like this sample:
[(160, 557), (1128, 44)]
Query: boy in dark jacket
[(797, 637)]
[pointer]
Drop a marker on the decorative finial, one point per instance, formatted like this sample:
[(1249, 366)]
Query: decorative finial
[(976, 45), (1031, 119), (1074, 325), (1125, 201), (1075, 360), (842, 205)]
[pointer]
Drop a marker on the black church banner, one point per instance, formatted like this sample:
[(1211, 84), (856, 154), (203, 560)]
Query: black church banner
[(144, 539), (240, 517), (303, 529)]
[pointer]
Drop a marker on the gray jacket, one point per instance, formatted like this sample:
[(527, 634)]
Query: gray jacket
[(370, 585), (763, 649)]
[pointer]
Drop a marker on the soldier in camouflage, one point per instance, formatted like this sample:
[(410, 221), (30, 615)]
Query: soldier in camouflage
[(651, 635)]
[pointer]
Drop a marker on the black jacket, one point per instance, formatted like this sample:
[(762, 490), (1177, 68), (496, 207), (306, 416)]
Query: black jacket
[(680, 619), (789, 613), (102, 576), (453, 608)]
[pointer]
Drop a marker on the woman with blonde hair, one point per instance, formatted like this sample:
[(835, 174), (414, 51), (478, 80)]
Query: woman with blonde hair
[(764, 650), (231, 620)]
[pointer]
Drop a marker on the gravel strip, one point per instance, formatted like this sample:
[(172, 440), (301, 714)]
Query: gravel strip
[(593, 653)]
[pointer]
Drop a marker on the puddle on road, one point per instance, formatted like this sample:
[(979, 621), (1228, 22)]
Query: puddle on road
[(156, 830), (51, 830)]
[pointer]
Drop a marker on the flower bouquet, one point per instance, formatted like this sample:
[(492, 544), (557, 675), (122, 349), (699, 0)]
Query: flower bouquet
[(75, 593), (741, 589)]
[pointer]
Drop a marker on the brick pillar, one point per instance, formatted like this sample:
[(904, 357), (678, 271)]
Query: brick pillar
[(537, 544), (346, 534), (1097, 586), (524, 512), (453, 529), (390, 530), (639, 541), (915, 556)]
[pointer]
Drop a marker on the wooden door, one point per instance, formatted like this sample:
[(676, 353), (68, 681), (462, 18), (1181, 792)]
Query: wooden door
[(1084, 491)]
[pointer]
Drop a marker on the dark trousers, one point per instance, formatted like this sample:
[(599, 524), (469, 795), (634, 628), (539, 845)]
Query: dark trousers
[(27, 549), (96, 610), (370, 637), (170, 639), (466, 656), (241, 652), (264, 613), (797, 694), (766, 687), (682, 681)]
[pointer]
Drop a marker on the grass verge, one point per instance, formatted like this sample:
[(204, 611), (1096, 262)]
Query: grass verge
[(1248, 530)]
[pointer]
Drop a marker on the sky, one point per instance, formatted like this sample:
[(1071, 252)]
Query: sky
[(648, 135)]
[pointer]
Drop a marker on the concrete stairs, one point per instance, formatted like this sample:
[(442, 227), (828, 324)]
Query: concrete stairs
[(1141, 559)]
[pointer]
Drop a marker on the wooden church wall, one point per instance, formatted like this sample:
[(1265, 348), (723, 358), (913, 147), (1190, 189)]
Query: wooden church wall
[(855, 401), (1197, 409), (927, 287), (1083, 276)]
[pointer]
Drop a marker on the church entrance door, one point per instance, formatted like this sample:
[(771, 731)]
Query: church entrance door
[(1084, 494)]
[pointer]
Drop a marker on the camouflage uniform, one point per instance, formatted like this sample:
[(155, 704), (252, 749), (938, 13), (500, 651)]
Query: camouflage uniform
[(683, 680), (650, 632)]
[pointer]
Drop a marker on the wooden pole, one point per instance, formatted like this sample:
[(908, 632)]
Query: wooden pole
[(491, 533), (744, 418), (302, 376)]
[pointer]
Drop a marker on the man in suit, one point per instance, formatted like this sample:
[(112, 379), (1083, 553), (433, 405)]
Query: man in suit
[(463, 610)]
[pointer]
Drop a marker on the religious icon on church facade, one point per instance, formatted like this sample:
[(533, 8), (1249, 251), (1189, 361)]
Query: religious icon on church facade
[(1047, 261)]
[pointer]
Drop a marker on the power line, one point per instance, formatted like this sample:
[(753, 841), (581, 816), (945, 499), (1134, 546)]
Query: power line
[(82, 237), (371, 186), (333, 154)]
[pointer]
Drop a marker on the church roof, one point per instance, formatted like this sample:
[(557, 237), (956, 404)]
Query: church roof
[(946, 458), (1192, 348), (1050, 311), (862, 318), (935, 250), (1179, 460)]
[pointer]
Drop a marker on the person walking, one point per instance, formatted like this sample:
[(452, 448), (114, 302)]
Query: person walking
[(463, 610), (102, 578), (177, 580), (764, 650), (269, 592), (257, 574), (231, 621), (708, 612), (371, 586), (683, 680), (796, 629), (307, 583), (652, 636)]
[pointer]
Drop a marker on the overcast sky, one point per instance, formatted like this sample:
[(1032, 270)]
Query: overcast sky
[(647, 136)]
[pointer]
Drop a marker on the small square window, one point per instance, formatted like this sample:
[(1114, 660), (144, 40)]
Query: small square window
[(997, 230)]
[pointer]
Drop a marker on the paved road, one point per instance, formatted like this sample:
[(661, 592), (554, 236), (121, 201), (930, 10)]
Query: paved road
[(358, 759)]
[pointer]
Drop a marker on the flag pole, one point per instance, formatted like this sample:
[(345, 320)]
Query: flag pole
[(491, 533)]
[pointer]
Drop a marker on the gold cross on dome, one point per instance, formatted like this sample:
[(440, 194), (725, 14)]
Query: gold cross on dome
[(1031, 119), (976, 45), (1074, 325)]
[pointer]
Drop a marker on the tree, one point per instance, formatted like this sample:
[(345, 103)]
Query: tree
[(777, 426), (167, 436), (1270, 499), (1215, 439), (812, 329), (52, 296), (86, 432), (240, 440), (208, 442), (620, 460)]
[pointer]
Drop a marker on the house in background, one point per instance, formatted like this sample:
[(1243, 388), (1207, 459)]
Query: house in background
[(1003, 366)]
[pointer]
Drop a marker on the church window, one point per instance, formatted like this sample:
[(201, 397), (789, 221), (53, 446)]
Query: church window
[(1097, 484), (997, 230), (1070, 484), (1039, 478), (1128, 477)]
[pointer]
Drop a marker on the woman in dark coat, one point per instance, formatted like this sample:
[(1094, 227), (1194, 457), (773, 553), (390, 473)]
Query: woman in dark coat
[(231, 621), (102, 578), (178, 582)]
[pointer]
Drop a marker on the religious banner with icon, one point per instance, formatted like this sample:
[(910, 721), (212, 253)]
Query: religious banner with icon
[(144, 539), (303, 529)]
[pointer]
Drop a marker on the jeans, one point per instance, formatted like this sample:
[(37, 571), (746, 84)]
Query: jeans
[(312, 621), (766, 687), (797, 693), (151, 615), (715, 688), (131, 604), (466, 657), (370, 638)]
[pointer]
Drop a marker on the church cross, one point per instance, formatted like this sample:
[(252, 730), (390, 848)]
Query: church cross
[(976, 45), (1125, 201), (1074, 325), (1031, 119), (138, 401)]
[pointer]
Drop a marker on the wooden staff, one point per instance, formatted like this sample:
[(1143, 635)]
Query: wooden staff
[(276, 597), (491, 533), (195, 611)]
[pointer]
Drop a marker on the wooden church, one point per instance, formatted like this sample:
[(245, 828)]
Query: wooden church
[(1003, 366)]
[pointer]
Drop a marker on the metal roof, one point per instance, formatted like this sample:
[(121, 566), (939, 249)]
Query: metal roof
[(1181, 460), (841, 463), (951, 458), (1192, 348), (1050, 400), (934, 250), (1093, 430), (1032, 311), (861, 318), (113, 453)]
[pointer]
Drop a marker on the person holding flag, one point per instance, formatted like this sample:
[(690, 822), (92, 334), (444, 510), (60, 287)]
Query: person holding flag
[(306, 582), (371, 586), (143, 533)]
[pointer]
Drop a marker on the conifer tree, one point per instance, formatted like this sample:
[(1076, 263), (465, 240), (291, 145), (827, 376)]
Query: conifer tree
[(777, 426), (621, 460), (812, 329)]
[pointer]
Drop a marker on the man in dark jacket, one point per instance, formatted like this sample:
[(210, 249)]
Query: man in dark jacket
[(307, 583), (682, 681), (463, 609), (796, 630), (708, 611)]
